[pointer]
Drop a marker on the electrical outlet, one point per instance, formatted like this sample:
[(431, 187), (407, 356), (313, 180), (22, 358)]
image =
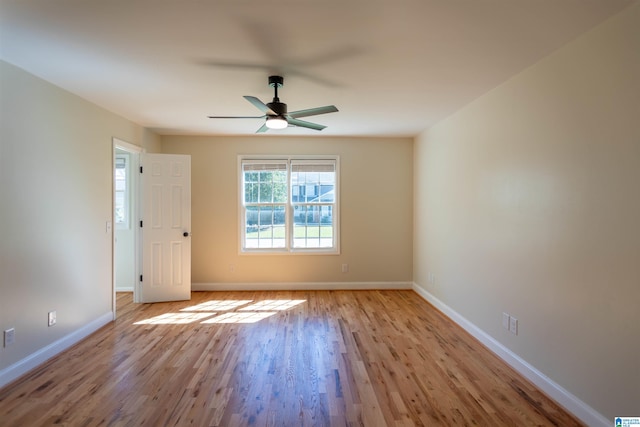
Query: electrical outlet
[(52, 318), (513, 325), (345, 268), (9, 336)]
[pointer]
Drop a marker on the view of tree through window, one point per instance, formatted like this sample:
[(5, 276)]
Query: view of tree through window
[(265, 198), (289, 205)]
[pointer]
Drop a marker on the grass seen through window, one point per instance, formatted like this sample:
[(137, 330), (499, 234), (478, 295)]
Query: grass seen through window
[(298, 232)]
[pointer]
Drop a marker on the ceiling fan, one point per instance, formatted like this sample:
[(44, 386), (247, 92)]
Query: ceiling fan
[(276, 113)]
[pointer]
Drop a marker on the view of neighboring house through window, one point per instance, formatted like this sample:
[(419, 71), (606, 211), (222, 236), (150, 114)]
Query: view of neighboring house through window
[(313, 199), (289, 205), (122, 191)]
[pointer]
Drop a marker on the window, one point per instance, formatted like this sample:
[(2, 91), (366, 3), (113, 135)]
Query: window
[(289, 205), (265, 203), (122, 185)]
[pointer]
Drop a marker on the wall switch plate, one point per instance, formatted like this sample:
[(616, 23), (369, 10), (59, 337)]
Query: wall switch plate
[(513, 325), (345, 268), (52, 318), (506, 321), (9, 336)]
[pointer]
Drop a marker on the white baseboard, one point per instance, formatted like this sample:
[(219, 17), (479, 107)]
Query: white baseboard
[(571, 403), (13, 372), (299, 286)]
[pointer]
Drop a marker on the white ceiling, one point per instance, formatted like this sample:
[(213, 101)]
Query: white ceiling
[(392, 67)]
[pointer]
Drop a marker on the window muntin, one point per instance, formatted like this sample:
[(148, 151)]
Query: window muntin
[(289, 205)]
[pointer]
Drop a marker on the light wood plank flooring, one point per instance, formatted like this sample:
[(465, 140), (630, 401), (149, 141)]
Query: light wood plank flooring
[(320, 358)]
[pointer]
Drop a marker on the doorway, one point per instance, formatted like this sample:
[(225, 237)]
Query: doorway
[(125, 213)]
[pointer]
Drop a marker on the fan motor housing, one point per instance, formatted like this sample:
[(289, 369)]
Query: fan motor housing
[(279, 108)]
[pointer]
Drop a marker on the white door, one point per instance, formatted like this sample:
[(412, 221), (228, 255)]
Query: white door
[(165, 186)]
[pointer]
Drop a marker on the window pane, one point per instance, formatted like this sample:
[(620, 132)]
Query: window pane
[(280, 191), (250, 192), (121, 192), (265, 193), (313, 183), (265, 182), (313, 226), (327, 193), (265, 227), (270, 187), (119, 211)]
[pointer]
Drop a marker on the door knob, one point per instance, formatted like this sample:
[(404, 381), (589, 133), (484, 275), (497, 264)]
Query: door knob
[(185, 234)]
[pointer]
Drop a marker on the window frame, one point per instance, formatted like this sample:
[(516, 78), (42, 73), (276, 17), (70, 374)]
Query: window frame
[(288, 248)]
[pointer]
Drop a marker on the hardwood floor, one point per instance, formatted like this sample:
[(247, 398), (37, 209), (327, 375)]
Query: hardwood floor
[(320, 358)]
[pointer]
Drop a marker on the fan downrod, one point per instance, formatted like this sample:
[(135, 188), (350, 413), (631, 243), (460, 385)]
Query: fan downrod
[(276, 106)]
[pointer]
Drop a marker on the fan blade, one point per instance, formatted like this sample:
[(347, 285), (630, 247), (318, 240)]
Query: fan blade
[(236, 117), (271, 40), (234, 65), (313, 111), (292, 71), (338, 54), (260, 105), (263, 129), (303, 124)]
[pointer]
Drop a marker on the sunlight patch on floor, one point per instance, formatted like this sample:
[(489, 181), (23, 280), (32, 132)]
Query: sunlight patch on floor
[(217, 305), (250, 314), (273, 304)]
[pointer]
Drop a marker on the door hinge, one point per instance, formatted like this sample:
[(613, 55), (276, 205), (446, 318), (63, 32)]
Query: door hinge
[(140, 169), (141, 277)]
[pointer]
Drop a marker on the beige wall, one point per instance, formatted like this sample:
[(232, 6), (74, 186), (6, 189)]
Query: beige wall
[(376, 210), (527, 201), (56, 197)]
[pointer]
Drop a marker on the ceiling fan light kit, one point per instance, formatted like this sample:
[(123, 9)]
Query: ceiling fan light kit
[(276, 114), (277, 122)]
